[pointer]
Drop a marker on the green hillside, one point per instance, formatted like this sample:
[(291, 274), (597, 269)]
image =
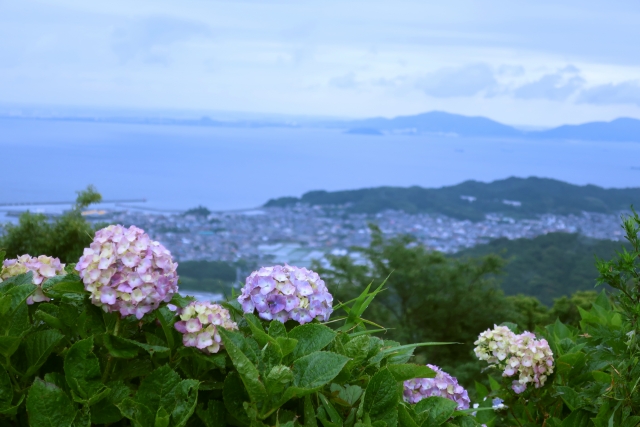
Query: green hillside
[(548, 266), (517, 197)]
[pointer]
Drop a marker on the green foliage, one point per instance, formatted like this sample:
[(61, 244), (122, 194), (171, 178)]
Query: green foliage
[(65, 237), (537, 195), (549, 266), (67, 363), (212, 276), (597, 360), (427, 296)]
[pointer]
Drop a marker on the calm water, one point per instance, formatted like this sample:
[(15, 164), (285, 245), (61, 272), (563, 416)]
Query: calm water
[(177, 167)]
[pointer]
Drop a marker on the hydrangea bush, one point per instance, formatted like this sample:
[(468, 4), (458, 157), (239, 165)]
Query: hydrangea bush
[(522, 354), (286, 293), (125, 271), (42, 268)]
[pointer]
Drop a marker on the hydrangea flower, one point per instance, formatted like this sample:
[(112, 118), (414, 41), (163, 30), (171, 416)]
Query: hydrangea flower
[(127, 272), (199, 325), (522, 354), (43, 267), (442, 385), (284, 293)]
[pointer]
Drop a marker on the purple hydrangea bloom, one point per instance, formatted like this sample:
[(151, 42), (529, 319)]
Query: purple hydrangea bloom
[(126, 271), (283, 293), (443, 385), (43, 267), (199, 323)]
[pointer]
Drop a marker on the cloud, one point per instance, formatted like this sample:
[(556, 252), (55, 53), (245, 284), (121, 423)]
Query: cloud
[(621, 93), (458, 82), (148, 38), (557, 86), (348, 81)]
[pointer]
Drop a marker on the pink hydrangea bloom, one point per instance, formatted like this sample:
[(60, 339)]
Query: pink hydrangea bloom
[(531, 359), (442, 385), (199, 323), (126, 271), (283, 293), (43, 267)]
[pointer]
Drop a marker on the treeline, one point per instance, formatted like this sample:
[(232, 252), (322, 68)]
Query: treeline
[(535, 195)]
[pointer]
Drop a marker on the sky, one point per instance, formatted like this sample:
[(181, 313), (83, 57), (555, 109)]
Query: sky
[(542, 63)]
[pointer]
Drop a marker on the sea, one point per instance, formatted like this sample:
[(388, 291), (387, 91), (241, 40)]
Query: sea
[(176, 167)]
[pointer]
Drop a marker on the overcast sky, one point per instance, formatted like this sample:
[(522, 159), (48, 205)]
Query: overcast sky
[(538, 63)]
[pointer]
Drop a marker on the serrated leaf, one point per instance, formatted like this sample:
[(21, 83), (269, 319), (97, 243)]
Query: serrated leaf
[(257, 330), (248, 372), (186, 395), (287, 345), (277, 329), (381, 395), (105, 411), (317, 369), (234, 395), (167, 318), (120, 347), (18, 324), (9, 345), (38, 347), (214, 415), (277, 379), (20, 293), (82, 369), (49, 406), (6, 389), (439, 408), (350, 394), (311, 337)]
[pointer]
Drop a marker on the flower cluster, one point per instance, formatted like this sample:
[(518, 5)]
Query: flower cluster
[(43, 267), (199, 325), (125, 271), (522, 354), (284, 293), (443, 385)]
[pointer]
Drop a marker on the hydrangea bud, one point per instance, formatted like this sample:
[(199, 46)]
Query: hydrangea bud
[(531, 359), (284, 293), (43, 267), (127, 272), (199, 323), (442, 385)]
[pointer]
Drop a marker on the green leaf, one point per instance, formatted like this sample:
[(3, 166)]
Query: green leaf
[(481, 391), (570, 397), (167, 318), (156, 389), (278, 379), (580, 418), (214, 415), (162, 418), (120, 347), (180, 301), (6, 389), (404, 417), (350, 394), (248, 372), (82, 369), (309, 413), (9, 345), (381, 395), (495, 385), (49, 406), (67, 286), (49, 314), (258, 331), (409, 371), (311, 337), (18, 324), (186, 395), (357, 350), (335, 418), (287, 345), (317, 369), (439, 408), (234, 396), (20, 293), (105, 411), (39, 346), (277, 329)]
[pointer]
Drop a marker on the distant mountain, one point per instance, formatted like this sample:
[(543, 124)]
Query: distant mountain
[(517, 197), (438, 122), (623, 129), (364, 131)]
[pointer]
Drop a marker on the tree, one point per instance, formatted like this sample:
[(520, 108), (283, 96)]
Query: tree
[(428, 296), (64, 238)]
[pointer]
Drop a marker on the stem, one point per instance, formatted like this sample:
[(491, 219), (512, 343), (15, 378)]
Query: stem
[(514, 416), (109, 367)]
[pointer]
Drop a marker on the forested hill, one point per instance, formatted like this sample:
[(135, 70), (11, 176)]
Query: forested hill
[(548, 266), (518, 197)]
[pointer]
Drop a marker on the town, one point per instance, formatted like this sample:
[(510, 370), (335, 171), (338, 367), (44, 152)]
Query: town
[(303, 233)]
